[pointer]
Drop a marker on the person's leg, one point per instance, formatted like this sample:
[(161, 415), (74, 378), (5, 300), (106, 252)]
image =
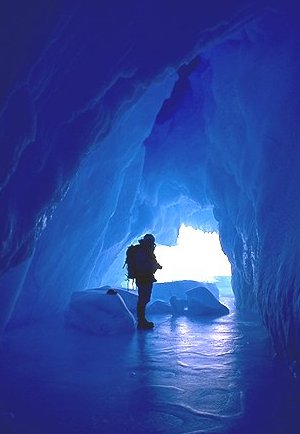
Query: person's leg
[(141, 308), (144, 291)]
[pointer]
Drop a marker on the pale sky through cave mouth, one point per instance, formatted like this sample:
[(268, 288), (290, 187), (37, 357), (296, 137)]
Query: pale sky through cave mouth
[(196, 256)]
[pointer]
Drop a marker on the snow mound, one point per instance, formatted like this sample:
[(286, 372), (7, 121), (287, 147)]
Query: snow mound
[(100, 313), (200, 301), (165, 290), (130, 298), (159, 306), (179, 306)]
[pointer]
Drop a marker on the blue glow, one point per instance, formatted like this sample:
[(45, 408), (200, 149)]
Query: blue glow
[(121, 118)]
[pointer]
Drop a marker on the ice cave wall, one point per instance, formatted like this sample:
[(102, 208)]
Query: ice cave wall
[(72, 73), (134, 120)]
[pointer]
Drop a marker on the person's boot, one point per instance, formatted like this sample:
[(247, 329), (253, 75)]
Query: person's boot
[(143, 324), (146, 325), (150, 324)]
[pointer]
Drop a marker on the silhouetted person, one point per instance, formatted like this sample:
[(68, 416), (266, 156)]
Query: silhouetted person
[(146, 265)]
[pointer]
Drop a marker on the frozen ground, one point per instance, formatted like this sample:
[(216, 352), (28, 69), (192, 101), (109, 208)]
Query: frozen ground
[(185, 376)]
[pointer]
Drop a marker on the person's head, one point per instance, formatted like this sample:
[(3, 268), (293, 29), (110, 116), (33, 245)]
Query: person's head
[(148, 241)]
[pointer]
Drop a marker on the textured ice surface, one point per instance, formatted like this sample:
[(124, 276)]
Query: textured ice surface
[(185, 376)]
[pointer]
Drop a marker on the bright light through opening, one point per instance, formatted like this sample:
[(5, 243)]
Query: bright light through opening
[(196, 256)]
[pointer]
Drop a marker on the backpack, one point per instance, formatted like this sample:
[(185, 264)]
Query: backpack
[(130, 261)]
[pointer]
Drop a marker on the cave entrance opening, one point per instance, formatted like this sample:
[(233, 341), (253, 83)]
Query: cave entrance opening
[(198, 256)]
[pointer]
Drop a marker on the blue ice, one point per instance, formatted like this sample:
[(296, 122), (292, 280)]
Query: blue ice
[(121, 118), (188, 375)]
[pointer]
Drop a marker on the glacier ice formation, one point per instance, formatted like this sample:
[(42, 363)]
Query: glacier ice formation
[(119, 118)]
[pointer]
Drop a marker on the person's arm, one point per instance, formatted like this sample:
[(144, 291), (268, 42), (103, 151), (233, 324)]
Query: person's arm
[(156, 265)]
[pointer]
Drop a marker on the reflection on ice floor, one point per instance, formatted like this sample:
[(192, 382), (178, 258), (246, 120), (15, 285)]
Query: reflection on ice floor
[(185, 376)]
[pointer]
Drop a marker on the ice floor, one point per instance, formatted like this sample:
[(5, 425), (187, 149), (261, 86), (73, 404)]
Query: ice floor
[(185, 376)]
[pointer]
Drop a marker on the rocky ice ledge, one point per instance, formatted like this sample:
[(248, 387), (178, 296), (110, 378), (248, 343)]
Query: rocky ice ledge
[(112, 311)]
